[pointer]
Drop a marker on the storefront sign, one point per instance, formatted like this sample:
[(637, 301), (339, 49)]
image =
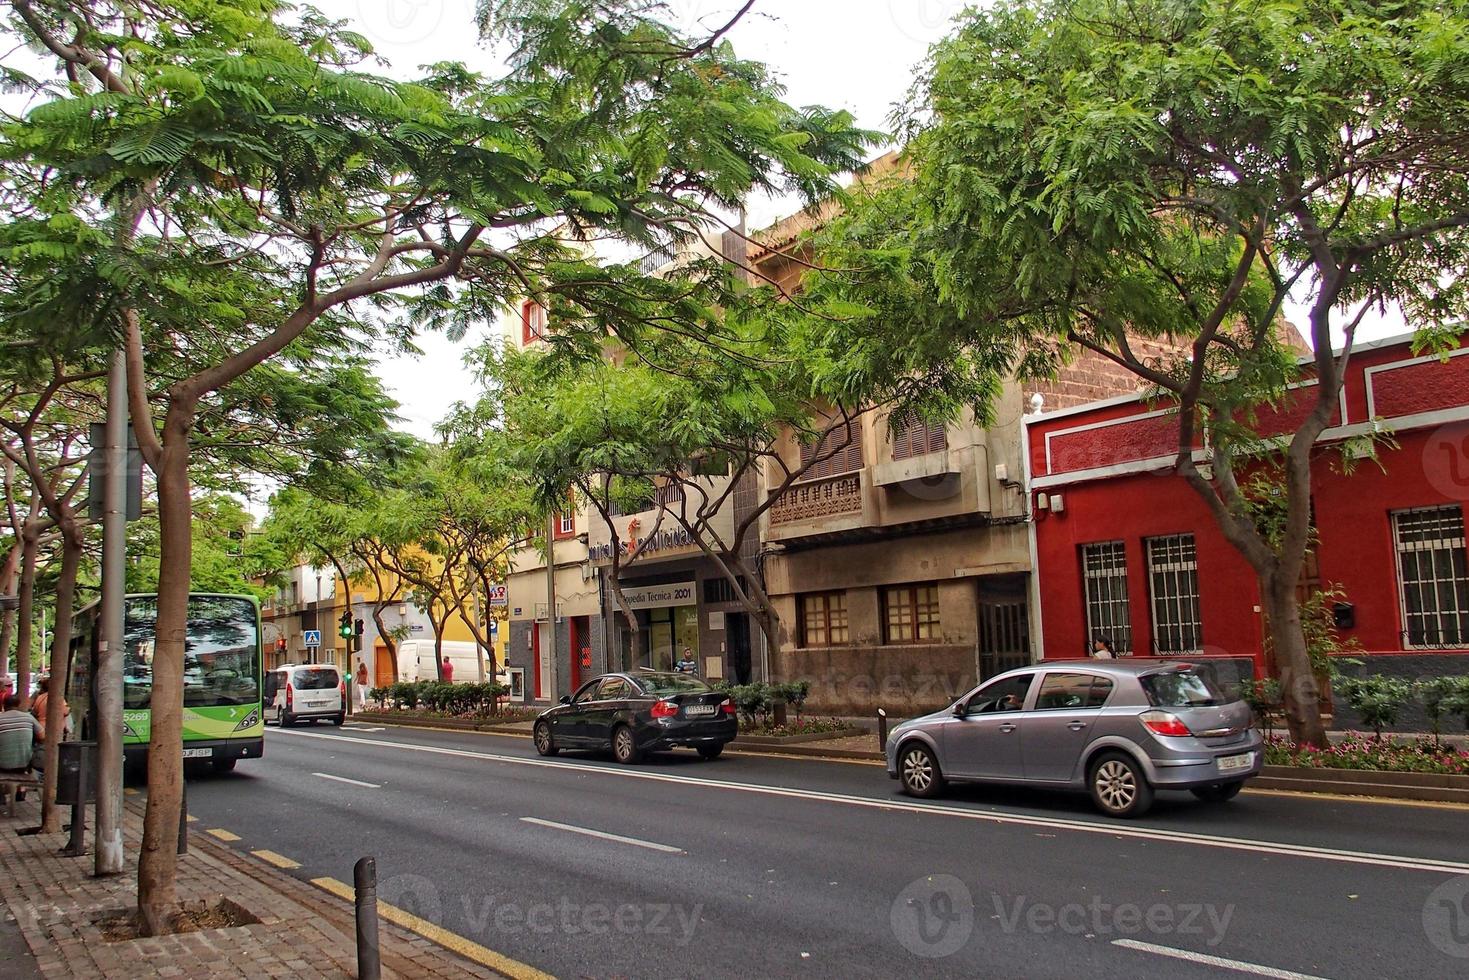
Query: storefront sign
[(659, 596), (662, 541)]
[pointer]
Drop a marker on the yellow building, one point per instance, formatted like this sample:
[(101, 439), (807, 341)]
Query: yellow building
[(310, 605)]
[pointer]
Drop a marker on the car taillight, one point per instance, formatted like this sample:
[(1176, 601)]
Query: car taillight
[(288, 695), (342, 690), (1164, 723), (729, 707), (664, 709)]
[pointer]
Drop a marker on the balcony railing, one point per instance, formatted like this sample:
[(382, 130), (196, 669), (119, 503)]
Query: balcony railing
[(830, 496)]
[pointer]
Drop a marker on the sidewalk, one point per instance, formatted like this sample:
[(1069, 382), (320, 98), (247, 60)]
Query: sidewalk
[(71, 921)]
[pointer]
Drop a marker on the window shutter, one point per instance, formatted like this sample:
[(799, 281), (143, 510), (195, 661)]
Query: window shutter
[(846, 460)]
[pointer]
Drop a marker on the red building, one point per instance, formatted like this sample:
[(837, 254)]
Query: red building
[(1124, 547)]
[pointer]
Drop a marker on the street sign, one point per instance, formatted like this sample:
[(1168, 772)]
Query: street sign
[(97, 473), (494, 626), (499, 595), (313, 638)]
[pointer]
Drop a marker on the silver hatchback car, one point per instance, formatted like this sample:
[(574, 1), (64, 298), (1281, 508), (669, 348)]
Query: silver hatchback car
[(1119, 729)]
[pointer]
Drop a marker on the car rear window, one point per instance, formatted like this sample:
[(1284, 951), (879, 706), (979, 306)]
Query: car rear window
[(663, 685), (315, 679), (1182, 687)]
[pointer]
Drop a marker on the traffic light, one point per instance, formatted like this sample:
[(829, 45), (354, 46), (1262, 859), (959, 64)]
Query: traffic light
[(344, 626)]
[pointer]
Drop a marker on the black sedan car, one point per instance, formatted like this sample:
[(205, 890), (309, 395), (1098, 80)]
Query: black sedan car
[(636, 713)]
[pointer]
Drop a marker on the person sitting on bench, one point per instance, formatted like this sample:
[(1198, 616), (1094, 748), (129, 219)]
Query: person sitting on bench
[(21, 737)]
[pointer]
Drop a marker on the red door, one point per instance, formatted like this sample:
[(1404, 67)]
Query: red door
[(535, 656), (574, 653)]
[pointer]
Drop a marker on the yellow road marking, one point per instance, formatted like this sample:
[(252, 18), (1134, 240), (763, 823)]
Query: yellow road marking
[(223, 835), (192, 819), (806, 758), (1348, 798), (279, 860), (466, 948)]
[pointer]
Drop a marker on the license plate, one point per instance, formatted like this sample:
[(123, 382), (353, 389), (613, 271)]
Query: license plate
[(696, 710), (198, 753), (1230, 763)]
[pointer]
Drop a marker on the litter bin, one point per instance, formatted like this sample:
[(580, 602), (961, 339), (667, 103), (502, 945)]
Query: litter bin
[(75, 782)]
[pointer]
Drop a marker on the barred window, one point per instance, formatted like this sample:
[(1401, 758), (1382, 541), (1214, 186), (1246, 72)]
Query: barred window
[(824, 619), (1104, 571), (1432, 576), (1173, 574), (910, 614), (915, 437), (832, 459)]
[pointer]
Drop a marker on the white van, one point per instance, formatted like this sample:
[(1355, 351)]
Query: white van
[(305, 692), (416, 661)]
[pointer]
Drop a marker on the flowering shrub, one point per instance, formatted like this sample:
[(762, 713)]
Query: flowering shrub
[(1359, 752), (804, 726)]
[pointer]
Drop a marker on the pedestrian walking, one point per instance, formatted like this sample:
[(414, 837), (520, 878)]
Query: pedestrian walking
[(361, 683), (447, 670), (1102, 649)]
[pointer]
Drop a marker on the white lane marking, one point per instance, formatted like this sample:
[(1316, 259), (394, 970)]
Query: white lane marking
[(344, 779), (1238, 966), (602, 835), (361, 728), (1049, 823)]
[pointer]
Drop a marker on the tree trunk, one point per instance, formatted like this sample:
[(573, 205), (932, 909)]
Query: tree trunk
[(8, 572), (25, 617), (71, 560), (438, 627), (157, 864), (1298, 687)]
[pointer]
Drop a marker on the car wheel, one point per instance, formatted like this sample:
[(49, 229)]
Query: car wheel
[(544, 744), (918, 771), (625, 746), (1218, 792), (711, 752), (223, 765), (339, 720), (285, 720), (1119, 787)]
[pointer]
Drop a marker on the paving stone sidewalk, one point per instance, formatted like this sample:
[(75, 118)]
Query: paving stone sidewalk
[(303, 931)]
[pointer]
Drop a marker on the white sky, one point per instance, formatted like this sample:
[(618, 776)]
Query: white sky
[(852, 54)]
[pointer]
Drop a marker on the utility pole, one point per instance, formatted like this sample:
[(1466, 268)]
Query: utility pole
[(479, 628), (551, 605), (108, 682)]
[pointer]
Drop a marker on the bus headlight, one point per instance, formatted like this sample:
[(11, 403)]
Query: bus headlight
[(251, 720)]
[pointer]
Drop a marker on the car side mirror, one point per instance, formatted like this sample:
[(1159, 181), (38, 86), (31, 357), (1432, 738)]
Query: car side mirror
[(961, 709), (566, 699)]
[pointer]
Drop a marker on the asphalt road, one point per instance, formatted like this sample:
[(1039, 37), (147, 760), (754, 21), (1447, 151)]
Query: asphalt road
[(755, 865)]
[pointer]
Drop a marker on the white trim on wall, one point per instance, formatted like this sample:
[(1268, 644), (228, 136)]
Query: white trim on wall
[(1106, 423), (1368, 373)]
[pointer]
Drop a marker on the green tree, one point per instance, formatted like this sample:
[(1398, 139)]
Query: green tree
[(1097, 174), (256, 187)]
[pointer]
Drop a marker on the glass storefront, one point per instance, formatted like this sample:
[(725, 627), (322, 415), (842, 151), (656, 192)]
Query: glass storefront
[(661, 638)]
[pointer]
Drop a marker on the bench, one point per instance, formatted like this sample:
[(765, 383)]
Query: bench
[(12, 783)]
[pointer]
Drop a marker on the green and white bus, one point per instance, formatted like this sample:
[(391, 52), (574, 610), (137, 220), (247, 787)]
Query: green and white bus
[(222, 676)]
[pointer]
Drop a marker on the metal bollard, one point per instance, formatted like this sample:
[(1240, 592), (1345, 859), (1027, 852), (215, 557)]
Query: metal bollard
[(369, 958), (184, 817), (76, 845), (882, 729)]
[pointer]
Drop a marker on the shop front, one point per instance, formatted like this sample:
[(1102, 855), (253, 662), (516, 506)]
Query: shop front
[(667, 614)]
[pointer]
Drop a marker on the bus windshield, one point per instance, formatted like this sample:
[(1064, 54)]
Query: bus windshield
[(221, 652)]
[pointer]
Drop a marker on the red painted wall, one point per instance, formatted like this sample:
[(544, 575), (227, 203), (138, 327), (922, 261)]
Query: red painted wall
[(1429, 466)]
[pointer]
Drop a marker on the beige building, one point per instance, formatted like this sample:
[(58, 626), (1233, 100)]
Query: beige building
[(900, 568)]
